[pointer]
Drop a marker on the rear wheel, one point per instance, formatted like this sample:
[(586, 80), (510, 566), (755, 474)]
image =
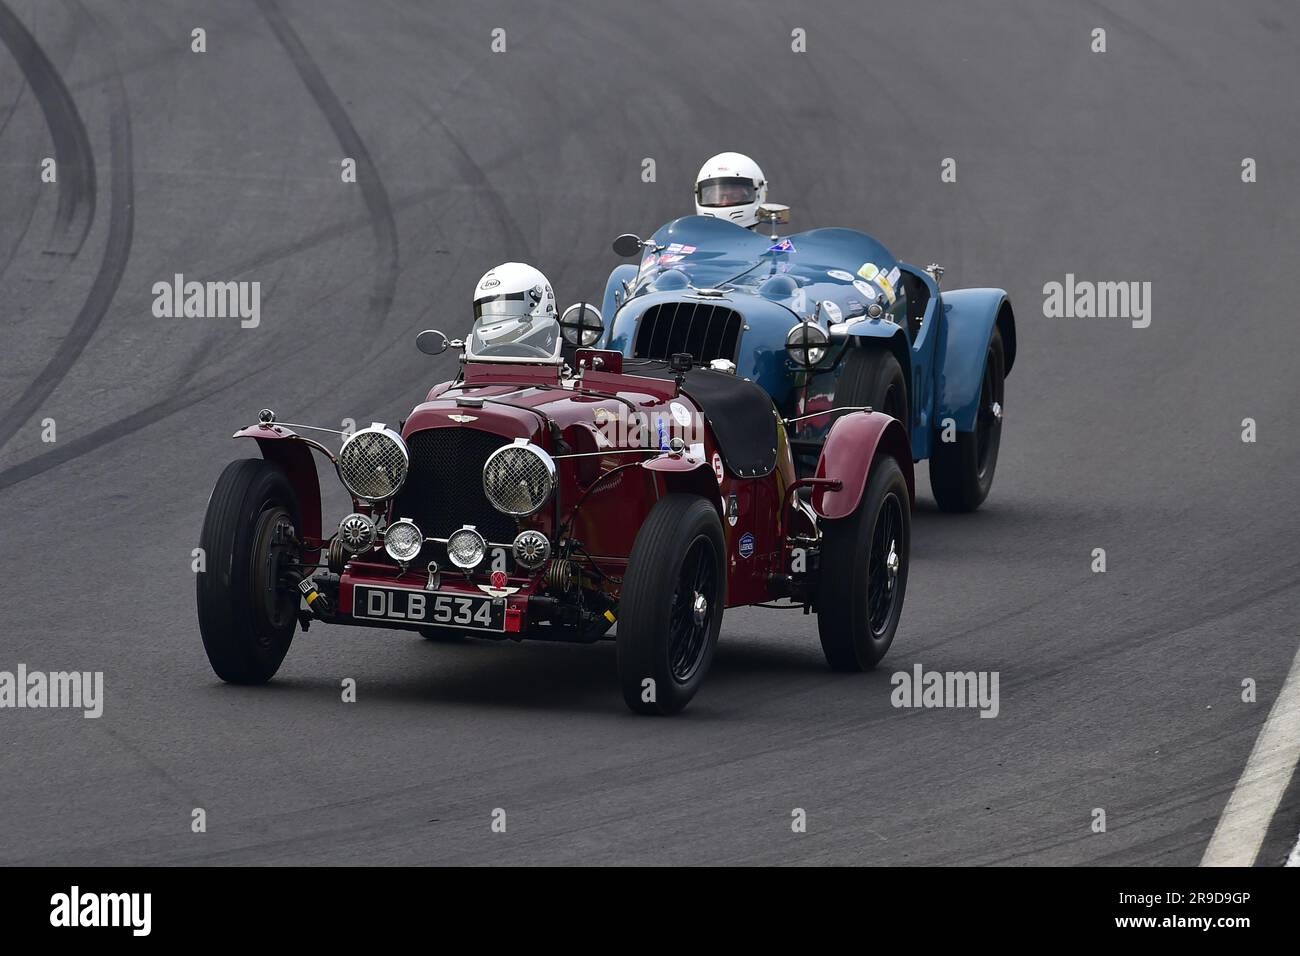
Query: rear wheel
[(863, 580), (247, 601), (961, 471), (670, 610)]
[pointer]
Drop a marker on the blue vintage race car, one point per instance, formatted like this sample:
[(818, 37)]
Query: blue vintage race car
[(823, 319)]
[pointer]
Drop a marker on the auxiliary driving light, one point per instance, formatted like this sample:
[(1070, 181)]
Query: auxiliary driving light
[(403, 540), (466, 548), (357, 534), (531, 548)]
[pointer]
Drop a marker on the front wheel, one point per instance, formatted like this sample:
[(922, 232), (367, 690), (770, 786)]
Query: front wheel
[(961, 471), (670, 610), (247, 602), (864, 561), (873, 377)]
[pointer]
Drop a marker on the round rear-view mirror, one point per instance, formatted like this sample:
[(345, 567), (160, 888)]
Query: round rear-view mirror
[(627, 245), (431, 342)]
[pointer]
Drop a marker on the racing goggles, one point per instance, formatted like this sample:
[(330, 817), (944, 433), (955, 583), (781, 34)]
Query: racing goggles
[(725, 191)]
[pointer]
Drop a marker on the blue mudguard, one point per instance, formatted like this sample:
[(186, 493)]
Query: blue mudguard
[(609, 305), (970, 315)]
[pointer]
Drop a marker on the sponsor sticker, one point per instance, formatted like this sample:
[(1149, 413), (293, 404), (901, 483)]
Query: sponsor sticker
[(868, 271), (831, 311), (490, 283), (841, 275), (681, 414), (717, 467), (746, 548), (894, 275), (866, 288), (886, 286)]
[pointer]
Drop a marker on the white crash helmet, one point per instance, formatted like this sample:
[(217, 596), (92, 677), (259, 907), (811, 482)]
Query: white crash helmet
[(730, 186), (512, 303)]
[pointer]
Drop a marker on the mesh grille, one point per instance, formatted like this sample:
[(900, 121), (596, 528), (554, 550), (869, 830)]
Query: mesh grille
[(445, 488), (517, 480), (706, 331), (372, 464)]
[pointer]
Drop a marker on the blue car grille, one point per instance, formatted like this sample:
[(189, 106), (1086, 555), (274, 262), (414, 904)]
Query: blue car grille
[(706, 331)]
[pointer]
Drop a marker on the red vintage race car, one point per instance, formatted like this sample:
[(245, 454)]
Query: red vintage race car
[(528, 499)]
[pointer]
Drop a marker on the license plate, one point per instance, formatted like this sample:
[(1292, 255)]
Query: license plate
[(467, 611)]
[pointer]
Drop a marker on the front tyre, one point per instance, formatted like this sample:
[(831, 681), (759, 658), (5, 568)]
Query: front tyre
[(863, 577), (247, 607), (961, 471), (670, 610), (873, 377)]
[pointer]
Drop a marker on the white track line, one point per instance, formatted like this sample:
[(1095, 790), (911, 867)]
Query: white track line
[(1254, 800)]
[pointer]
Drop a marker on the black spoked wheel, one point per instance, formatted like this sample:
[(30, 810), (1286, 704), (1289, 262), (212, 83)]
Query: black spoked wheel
[(884, 564), (691, 613), (961, 471), (247, 601), (670, 610), (863, 578)]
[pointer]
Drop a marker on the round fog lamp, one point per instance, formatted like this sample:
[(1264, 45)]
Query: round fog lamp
[(466, 548), (403, 540)]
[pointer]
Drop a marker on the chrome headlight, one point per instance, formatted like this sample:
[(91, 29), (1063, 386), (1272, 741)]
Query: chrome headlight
[(466, 548), (403, 540), (806, 343), (518, 478), (531, 548), (357, 534), (373, 463), (582, 325)]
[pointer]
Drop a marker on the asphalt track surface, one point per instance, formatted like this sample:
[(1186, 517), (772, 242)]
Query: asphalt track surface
[(1119, 691)]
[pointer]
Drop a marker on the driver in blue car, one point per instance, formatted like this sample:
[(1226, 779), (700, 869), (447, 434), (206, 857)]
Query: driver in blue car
[(731, 186)]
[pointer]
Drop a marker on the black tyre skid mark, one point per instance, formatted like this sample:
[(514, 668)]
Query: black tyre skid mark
[(382, 223), (373, 192), (72, 153), (117, 247)]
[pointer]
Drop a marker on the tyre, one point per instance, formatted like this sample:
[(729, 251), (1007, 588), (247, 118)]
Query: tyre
[(863, 581), (961, 471), (872, 376), (670, 610), (247, 610)]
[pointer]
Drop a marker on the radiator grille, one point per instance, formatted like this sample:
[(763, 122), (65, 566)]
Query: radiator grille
[(706, 331), (444, 489)]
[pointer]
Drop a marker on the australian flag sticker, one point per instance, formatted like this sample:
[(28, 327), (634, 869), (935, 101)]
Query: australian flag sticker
[(746, 548), (785, 245)]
